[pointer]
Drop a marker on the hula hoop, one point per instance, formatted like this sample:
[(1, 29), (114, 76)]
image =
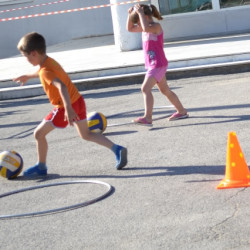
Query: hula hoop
[(82, 204)]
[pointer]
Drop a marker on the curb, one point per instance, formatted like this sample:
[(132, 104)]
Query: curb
[(36, 89)]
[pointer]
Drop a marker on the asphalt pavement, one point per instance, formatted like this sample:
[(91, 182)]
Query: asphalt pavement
[(166, 197)]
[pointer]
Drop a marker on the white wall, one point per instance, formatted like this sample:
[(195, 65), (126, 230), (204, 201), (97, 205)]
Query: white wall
[(206, 23), (124, 40), (96, 22), (55, 28)]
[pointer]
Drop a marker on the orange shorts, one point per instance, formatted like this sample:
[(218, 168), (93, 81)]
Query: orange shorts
[(56, 116)]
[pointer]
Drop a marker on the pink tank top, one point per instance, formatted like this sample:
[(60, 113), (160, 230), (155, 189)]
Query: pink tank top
[(153, 50)]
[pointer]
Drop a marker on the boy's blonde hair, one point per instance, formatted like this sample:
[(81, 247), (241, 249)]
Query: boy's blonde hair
[(32, 42), (149, 10)]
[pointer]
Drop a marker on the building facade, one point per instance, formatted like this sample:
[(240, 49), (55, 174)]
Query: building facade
[(56, 28), (183, 19), (203, 18)]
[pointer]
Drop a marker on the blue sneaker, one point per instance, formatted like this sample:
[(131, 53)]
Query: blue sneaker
[(121, 157), (35, 171)]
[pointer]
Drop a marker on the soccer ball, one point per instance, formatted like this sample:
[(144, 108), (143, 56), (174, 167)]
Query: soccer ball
[(11, 164), (97, 122)]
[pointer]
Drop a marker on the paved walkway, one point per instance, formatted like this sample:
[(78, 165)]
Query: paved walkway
[(98, 59), (164, 199)]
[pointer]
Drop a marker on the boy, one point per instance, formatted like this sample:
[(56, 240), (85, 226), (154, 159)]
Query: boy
[(69, 104)]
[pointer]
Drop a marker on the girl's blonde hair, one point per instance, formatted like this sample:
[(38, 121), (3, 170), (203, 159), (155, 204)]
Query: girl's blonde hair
[(149, 10)]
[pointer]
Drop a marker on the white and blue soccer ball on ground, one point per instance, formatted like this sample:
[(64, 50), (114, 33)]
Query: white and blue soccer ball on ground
[(11, 164), (97, 122)]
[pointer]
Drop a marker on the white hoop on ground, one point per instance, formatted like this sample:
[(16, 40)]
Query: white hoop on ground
[(119, 124), (82, 204)]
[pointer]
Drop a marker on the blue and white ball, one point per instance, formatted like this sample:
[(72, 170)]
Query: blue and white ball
[(11, 164), (97, 122)]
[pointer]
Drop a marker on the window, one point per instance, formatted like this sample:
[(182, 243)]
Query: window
[(233, 3), (182, 6)]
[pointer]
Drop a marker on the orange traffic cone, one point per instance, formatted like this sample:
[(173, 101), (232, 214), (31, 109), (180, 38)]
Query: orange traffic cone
[(237, 172)]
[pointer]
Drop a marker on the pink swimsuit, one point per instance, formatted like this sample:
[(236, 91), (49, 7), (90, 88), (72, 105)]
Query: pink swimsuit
[(153, 50)]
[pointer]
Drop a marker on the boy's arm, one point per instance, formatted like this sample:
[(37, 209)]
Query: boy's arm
[(24, 78), (70, 114)]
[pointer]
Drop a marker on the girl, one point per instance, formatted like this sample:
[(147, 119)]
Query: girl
[(140, 19)]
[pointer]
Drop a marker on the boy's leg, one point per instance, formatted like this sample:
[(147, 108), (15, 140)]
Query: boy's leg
[(42, 148), (86, 134), (41, 143)]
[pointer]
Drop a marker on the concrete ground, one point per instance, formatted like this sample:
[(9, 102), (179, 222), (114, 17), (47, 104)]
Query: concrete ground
[(166, 197), (96, 60)]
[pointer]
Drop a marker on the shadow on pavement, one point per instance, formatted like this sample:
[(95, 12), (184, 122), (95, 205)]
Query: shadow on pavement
[(147, 172)]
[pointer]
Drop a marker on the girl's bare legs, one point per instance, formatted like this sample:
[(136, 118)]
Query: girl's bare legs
[(86, 134), (172, 97), (146, 89)]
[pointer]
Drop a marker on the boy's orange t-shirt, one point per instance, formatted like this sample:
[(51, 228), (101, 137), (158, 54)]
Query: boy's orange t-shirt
[(49, 71)]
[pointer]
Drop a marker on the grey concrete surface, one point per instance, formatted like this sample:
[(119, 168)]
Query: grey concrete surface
[(92, 61), (166, 197)]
